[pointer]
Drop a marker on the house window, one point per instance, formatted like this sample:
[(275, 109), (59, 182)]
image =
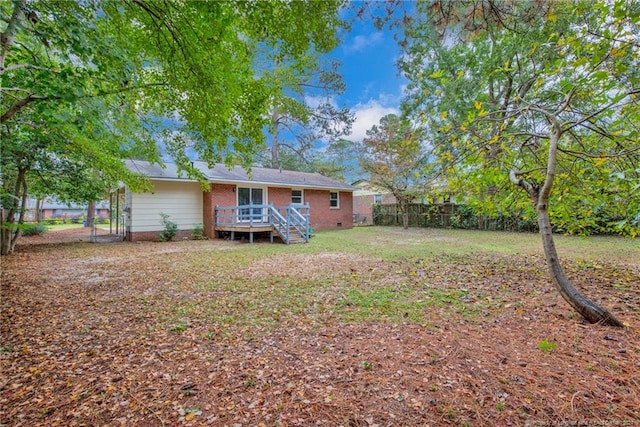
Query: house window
[(251, 196), (377, 198), (296, 197), (333, 200)]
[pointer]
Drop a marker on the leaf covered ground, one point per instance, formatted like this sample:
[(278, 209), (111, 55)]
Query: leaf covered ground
[(363, 327)]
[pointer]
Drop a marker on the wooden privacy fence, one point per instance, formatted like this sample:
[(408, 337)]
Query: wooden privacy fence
[(449, 215)]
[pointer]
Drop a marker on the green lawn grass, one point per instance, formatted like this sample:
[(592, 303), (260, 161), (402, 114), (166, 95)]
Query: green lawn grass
[(392, 243), (56, 227), (371, 274)]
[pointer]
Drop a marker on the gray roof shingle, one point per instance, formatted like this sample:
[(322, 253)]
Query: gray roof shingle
[(220, 173)]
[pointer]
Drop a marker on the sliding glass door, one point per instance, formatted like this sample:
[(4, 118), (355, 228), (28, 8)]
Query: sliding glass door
[(250, 196)]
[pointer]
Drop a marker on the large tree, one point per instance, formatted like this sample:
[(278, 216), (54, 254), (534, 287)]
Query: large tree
[(304, 114), (87, 83), (543, 95), (396, 159)]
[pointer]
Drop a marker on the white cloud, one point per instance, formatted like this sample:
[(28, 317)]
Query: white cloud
[(360, 43), (369, 114)]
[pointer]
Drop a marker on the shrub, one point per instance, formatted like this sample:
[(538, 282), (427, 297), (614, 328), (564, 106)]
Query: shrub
[(198, 232), (34, 229), (53, 221), (77, 219), (170, 228)]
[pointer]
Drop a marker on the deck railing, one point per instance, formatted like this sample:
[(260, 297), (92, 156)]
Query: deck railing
[(244, 215), (287, 222)]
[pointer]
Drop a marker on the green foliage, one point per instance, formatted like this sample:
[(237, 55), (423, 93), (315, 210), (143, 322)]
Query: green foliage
[(198, 232), (53, 221), (170, 228), (455, 216), (33, 229), (395, 160), (367, 366), (304, 112), (180, 327), (6, 349), (90, 84), (491, 90), (547, 346)]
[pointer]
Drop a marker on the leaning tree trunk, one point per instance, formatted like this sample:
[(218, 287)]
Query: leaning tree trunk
[(590, 310)]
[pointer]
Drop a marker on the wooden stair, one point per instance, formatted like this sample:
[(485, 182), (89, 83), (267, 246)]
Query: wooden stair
[(295, 237)]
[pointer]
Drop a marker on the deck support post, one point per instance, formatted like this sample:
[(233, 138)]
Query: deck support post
[(271, 237), (251, 237), (233, 236)]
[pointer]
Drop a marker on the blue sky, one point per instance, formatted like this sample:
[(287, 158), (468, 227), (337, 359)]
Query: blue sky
[(374, 87)]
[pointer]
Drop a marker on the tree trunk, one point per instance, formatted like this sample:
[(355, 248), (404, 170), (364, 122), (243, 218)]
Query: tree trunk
[(5, 232), (38, 212), (91, 214), (9, 231), (404, 212), (590, 310), (275, 145)]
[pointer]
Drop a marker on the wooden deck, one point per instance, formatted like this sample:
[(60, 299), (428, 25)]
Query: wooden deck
[(286, 222), (253, 228), (248, 228)]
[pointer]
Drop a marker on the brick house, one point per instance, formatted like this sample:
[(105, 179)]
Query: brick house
[(51, 208), (235, 202), (364, 197)]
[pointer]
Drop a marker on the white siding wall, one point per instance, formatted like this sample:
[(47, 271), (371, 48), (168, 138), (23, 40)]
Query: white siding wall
[(182, 201)]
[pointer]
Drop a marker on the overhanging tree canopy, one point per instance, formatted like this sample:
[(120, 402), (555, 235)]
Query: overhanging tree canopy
[(544, 95), (83, 81)]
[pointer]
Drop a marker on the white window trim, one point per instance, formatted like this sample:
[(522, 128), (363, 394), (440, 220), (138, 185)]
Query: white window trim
[(301, 196), (337, 206), (265, 192)]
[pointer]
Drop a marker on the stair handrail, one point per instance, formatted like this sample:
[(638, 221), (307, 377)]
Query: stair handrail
[(279, 223), (298, 221)]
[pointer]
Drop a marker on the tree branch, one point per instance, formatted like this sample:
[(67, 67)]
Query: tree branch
[(520, 182), (599, 111), (31, 98), (20, 66), (9, 35), (20, 105)]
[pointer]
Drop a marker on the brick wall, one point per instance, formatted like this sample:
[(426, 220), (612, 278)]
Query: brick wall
[(223, 194), (220, 195), (279, 196), (322, 216), (363, 205)]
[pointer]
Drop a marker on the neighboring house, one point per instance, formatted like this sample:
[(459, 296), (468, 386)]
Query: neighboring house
[(364, 197), (276, 197), (51, 208)]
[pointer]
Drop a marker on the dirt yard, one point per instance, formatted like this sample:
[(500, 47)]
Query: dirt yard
[(229, 334)]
